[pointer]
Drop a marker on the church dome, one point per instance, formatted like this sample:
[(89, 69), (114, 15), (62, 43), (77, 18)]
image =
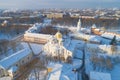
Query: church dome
[(58, 35)]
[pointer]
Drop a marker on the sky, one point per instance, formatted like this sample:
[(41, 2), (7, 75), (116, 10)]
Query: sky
[(36, 4)]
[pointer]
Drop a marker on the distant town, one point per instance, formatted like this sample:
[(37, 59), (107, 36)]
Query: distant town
[(60, 44)]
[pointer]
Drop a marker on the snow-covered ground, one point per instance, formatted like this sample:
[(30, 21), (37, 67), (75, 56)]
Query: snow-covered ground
[(36, 48), (37, 74), (63, 71), (115, 72)]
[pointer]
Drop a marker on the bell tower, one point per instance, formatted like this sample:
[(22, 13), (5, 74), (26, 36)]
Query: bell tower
[(79, 25)]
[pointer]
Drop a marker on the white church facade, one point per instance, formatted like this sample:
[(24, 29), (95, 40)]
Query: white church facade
[(56, 49)]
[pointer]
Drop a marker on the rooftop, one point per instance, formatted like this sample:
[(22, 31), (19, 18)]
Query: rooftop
[(9, 61)]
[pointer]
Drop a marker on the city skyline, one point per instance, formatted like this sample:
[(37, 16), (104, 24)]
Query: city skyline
[(30, 4)]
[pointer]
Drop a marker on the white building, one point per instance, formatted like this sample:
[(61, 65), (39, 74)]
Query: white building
[(9, 66), (79, 25), (55, 47), (36, 38)]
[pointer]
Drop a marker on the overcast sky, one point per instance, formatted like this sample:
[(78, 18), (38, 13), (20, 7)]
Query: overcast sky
[(36, 4)]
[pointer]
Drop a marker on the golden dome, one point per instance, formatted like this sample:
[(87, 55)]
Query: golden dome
[(58, 35)]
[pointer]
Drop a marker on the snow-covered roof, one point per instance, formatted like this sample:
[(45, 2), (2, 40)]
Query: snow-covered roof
[(86, 30), (47, 21), (111, 35), (35, 27), (95, 38), (13, 69), (43, 36), (87, 37), (99, 76), (38, 26), (11, 60)]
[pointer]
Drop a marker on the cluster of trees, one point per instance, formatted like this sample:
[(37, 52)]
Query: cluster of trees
[(39, 71), (6, 45), (108, 23), (104, 62), (27, 20), (13, 30), (101, 62), (65, 21), (48, 30), (51, 30), (33, 70), (24, 20)]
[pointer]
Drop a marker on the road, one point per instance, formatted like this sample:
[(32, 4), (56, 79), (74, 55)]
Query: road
[(81, 70)]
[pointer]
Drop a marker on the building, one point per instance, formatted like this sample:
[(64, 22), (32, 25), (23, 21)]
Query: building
[(54, 15), (9, 66), (56, 49), (36, 38), (74, 15), (110, 35), (33, 35), (96, 31), (79, 25)]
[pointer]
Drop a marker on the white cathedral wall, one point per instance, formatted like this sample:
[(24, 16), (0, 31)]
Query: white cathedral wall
[(57, 51)]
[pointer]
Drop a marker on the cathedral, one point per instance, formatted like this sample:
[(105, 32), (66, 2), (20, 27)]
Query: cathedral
[(55, 47)]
